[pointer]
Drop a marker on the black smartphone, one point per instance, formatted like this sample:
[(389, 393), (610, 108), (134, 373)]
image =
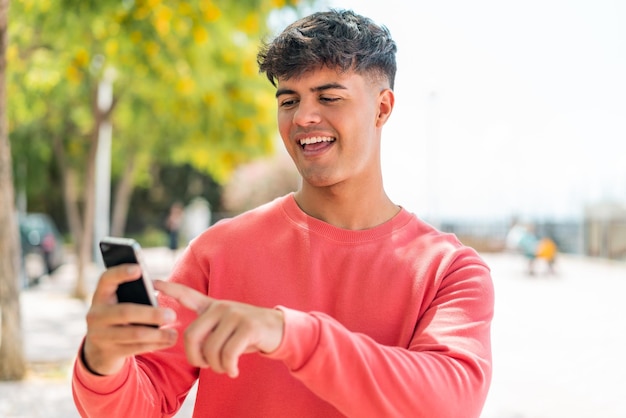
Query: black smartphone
[(116, 251)]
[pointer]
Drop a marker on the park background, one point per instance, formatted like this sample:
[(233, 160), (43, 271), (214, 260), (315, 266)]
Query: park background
[(504, 110)]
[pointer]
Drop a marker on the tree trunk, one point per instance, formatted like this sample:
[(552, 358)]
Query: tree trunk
[(12, 362), (85, 250), (69, 185), (121, 201), (81, 227)]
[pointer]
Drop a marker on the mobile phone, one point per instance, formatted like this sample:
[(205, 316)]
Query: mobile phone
[(116, 251)]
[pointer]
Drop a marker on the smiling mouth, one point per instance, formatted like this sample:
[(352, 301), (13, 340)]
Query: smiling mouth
[(316, 140)]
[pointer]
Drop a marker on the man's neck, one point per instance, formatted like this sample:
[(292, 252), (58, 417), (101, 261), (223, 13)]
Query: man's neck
[(348, 209)]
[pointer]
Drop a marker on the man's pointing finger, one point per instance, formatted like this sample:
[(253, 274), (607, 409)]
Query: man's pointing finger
[(186, 296)]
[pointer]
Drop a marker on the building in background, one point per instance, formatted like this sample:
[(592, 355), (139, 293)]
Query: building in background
[(605, 230)]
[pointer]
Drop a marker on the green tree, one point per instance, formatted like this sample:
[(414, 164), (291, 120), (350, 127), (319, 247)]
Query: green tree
[(186, 90), (12, 363)]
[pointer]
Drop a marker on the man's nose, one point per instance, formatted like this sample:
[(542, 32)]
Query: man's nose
[(307, 113)]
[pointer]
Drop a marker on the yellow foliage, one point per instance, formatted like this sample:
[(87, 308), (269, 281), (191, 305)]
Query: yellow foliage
[(114, 29), (138, 31), (111, 47), (249, 67), (43, 75), (185, 9), (251, 138), (244, 124), (250, 24), (74, 75), (185, 85), (136, 36), (228, 56), (210, 11), (181, 26), (228, 161), (152, 48), (44, 5), (28, 5), (233, 94), (201, 157), (119, 16), (220, 164), (141, 70), (208, 98), (99, 29), (12, 53), (142, 12), (200, 35), (266, 105), (162, 20), (81, 59)]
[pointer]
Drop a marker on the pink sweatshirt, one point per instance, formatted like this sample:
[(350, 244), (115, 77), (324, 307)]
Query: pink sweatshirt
[(393, 321)]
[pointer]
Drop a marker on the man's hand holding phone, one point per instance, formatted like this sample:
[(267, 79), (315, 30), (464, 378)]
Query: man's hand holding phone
[(124, 320), (113, 333)]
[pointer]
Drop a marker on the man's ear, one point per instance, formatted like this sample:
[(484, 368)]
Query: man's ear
[(386, 100)]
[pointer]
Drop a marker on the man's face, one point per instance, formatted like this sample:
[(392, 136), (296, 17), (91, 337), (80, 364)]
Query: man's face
[(330, 123)]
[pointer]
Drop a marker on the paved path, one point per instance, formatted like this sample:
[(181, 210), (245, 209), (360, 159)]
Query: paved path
[(54, 325), (558, 341)]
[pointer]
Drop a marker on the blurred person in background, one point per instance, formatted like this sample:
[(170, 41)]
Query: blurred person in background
[(173, 224), (331, 301), (547, 251), (522, 238), (197, 218)]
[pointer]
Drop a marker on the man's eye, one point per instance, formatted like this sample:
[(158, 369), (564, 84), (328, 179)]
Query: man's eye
[(288, 103), (329, 99)]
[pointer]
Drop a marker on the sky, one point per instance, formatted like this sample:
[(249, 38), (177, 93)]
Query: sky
[(505, 107)]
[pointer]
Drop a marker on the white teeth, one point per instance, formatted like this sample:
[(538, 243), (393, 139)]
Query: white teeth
[(316, 139)]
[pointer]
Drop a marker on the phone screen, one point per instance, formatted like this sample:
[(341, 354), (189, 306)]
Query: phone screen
[(117, 251)]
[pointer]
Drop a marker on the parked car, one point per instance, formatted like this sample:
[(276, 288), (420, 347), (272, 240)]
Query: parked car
[(42, 246)]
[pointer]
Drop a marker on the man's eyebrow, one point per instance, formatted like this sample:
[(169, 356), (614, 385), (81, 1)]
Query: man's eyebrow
[(328, 86), (280, 92), (323, 87)]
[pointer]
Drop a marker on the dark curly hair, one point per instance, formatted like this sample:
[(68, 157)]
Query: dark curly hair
[(337, 39)]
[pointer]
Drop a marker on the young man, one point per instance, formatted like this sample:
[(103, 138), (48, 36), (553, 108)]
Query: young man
[(332, 301)]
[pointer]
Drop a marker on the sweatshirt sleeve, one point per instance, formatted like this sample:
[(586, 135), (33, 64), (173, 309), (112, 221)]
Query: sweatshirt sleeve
[(152, 384), (143, 388), (444, 372)]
